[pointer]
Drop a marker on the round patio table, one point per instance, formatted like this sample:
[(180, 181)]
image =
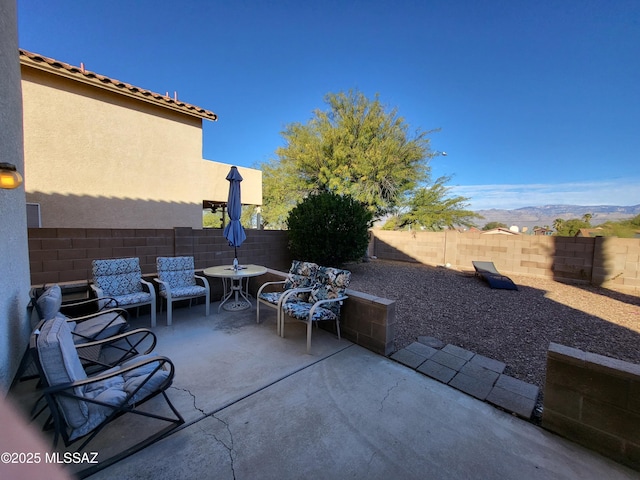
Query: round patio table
[(235, 277)]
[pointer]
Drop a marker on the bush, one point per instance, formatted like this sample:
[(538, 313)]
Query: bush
[(329, 229)]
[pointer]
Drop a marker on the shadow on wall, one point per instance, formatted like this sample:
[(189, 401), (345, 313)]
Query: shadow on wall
[(612, 266), (86, 211), (601, 261)]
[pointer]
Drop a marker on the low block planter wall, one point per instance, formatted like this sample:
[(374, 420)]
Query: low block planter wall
[(594, 401)]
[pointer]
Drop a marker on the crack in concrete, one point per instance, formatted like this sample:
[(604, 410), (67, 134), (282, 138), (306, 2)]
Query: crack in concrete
[(229, 448), (393, 387), (210, 434), (194, 399)]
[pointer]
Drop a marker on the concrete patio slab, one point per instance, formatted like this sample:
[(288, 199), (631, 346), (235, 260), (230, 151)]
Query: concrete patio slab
[(358, 415), (259, 406)]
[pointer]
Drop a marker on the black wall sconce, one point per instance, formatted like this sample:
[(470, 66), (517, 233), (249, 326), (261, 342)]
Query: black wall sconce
[(9, 176)]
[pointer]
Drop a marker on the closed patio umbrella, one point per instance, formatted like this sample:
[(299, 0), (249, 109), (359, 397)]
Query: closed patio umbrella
[(234, 232)]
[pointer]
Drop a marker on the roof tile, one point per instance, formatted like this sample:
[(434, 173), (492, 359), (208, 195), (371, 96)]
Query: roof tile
[(164, 100)]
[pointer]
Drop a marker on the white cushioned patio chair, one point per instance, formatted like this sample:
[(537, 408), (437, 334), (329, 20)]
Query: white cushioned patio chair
[(82, 405), (301, 275), (121, 279), (324, 302), (177, 281)]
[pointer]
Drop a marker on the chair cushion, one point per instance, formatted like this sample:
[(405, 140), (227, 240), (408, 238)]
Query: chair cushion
[(60, 364), (300, 310), (117, 277), (271, 297), (48, 304), (133, 299), (308, 269), (301, 274), (91, 327), (330, 283), (178, 272), (298, 281), (193, 291), (115, 390)]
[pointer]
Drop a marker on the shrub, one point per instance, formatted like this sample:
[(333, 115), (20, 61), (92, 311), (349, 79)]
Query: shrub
[(329, 229)]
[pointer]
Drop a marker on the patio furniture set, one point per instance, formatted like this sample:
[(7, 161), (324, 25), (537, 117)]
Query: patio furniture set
[(93, 368), (309, 294)]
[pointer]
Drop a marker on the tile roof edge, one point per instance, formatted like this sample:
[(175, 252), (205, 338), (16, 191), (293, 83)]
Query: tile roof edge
[(81, 74)]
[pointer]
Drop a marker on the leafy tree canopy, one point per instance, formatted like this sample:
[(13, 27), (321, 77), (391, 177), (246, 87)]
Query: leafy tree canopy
[(432, 208), (492, 225), (629, 228), (569, 228), (356, 147)]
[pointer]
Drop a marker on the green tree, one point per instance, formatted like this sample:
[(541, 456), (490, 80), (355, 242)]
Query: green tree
[(569, 228), (492, 225), (558, 223), (432, 208), (629, 228), (356, 147), (329, 229), (211, 220)]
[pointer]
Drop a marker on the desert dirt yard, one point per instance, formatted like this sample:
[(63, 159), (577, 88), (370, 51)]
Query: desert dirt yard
[(514, 327)]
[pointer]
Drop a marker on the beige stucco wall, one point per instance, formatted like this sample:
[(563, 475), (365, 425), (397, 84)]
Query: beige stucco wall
[(99, 159), (14, 261)]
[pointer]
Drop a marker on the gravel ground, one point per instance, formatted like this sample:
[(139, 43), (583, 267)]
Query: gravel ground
[(514, 327)]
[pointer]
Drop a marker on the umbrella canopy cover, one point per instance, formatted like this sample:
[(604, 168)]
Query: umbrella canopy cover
[(234, 232)]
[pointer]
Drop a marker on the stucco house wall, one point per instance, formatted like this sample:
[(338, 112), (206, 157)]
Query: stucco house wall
[(100, 156), (14, 261)]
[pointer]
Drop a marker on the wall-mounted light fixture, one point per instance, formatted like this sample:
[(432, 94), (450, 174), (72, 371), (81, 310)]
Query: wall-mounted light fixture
[(9, 176)]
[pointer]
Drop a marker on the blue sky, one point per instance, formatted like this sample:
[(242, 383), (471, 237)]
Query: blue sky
[(537, 102)]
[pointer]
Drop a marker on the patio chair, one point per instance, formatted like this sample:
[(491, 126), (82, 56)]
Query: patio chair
[(83, 405), (177, 281), (325, 299), (74, 308), (122, 279), (301, 275), (102, 324), (47, 304), (101, 355)]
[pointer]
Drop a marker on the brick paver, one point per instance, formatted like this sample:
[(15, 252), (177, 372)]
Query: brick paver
[(470, 373)]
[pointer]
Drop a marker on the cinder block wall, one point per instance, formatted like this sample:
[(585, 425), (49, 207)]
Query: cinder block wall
[(60, 255), (602, 261), (617, 261), (366, 320), (595, 401)]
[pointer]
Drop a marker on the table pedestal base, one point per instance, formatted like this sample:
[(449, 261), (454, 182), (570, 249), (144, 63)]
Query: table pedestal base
[(235, 289)]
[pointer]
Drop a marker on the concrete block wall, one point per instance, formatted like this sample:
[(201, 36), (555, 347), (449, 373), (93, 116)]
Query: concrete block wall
[(617, 262), (594, 401), (64, 255), (366, 320), (369, 321), (602, 261)]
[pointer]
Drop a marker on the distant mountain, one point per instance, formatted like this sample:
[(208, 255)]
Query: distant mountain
[(545, 215)]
